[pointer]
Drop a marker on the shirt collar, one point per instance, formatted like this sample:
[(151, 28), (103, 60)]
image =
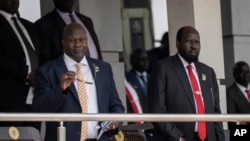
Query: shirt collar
[(184, 62), (70, 62), (65, 14), (243, 88), (7, 15), (141, 74)]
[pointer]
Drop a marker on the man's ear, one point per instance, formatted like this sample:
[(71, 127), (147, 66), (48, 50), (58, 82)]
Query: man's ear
[(178, 44)]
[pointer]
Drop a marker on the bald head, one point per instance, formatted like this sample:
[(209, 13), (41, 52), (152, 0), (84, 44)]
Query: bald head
[(74, 41), (72, 27)]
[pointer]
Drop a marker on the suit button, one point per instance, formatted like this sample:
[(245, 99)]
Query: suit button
[(78, 133)]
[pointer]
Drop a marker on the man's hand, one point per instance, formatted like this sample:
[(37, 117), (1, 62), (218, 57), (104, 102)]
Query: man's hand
[(66, 79), (182, 139), (31, 79), (114, 125)]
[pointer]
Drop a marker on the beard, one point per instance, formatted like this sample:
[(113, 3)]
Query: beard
[(189, 57)]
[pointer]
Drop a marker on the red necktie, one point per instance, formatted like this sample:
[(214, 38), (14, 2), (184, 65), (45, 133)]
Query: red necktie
[(199, 103), (248, 93)]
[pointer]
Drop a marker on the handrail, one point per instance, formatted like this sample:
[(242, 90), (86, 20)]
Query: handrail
[(61, 117), (123, 117)]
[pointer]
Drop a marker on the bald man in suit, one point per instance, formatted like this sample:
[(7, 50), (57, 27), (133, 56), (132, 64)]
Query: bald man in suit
[(57, 88), (170, 91)]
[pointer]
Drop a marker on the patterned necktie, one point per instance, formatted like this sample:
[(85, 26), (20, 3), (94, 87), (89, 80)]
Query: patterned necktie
[(199, 103), (248, 93), (30, 50), (82, 94), (144, 83), (72, 18)]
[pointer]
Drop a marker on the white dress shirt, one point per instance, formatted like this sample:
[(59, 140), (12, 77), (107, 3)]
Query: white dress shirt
[(90, 88)]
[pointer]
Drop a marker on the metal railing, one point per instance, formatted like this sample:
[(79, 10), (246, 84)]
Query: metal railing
[(121, 117)]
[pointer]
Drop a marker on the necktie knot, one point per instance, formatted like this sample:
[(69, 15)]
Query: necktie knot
[(13, 18), (189, 67), (78, 65), (72, 18), (248, 93), (79, 72)]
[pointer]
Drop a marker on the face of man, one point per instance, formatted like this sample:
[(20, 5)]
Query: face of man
[(75, 42), (9, 6), (141, 62), (243, 76), (64, 5), (189, 45)]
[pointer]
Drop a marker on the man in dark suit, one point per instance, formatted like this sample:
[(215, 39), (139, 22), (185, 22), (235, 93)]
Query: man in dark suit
[(138, 76), (57, 87), (238, 96), (174, 89), (52, 25), (19, 47)]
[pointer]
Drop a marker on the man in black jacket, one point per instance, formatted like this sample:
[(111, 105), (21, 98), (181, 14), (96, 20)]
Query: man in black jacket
[(53, 23), (19, 47)]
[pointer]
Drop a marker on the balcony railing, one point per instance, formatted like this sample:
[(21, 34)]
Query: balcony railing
[(121, 117)]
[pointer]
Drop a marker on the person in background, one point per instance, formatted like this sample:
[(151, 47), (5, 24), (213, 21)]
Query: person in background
[(157, 53), (180, 84), (138, 76), (19, 49), (53, 23), (238, 94), (75, 83)]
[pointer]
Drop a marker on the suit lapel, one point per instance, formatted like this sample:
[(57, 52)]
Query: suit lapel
[(94, 70), (207, 99), (5, 23), (58, 19), (241, 96), (183, 78), (61, 69)]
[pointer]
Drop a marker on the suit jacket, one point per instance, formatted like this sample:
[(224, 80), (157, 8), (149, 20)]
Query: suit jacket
[(132, 78), (49, 97), (13, 68), (52, 25), (169, 91), (236, 102)]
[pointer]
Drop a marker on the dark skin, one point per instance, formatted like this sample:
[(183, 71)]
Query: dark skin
[(140, 61), (11, 7), (189, 45), (242, 73), (74, 43), (65, 5)]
